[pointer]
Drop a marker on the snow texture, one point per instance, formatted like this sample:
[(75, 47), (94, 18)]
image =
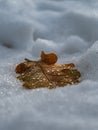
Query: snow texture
[(68, 28)]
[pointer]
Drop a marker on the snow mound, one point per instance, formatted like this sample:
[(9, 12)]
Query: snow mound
[(68, 28), (16, 34)]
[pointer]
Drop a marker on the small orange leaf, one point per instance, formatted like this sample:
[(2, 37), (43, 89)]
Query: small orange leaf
[(49, 58), (45, 73)]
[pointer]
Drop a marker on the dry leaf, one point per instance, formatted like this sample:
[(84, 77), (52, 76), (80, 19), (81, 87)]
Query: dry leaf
[(49, 58), (45, 73)]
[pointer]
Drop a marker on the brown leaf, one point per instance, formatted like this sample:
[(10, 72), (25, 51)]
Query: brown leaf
[(49, 58), (44, 73)]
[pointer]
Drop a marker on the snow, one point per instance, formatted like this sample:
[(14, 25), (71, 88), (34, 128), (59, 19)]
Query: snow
[(68, 28)]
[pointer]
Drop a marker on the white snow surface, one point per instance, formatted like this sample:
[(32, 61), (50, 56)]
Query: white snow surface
[(66, 27)]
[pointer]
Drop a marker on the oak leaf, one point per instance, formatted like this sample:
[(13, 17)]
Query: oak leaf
[(45, 73)]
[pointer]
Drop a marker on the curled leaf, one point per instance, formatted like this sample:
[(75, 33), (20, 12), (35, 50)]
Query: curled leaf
[(49, 58), (45, 73)]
